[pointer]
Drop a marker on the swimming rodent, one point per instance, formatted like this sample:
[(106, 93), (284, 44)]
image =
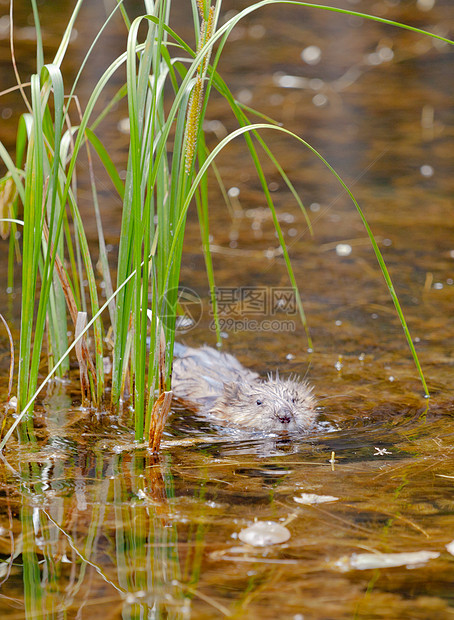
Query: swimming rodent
[(211, 382)]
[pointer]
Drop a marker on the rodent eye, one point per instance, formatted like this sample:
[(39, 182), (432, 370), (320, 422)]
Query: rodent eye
[(293, 400), (259, 402)]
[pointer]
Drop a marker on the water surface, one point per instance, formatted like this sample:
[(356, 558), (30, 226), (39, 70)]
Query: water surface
[(91, 523)]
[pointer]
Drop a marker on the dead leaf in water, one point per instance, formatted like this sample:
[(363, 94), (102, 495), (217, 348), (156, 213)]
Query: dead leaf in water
[(312, 498), (366, 561)]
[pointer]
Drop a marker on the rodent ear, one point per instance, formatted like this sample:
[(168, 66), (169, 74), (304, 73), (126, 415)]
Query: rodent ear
[(231, 390)]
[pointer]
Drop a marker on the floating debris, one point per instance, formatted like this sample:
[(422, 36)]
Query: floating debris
[(380, 451), (124, 126), (312, 498), (425, 5), (264, 533), (366, 561), (426, 171), (311, 55), (320, 100), (343, 249)]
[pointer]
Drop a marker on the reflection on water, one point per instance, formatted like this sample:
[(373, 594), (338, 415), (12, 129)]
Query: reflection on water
[(107, 526), (91, 524)]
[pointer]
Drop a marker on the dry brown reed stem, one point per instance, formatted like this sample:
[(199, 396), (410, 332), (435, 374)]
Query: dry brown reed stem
[(11, 363), (8, 195), (157, 487), (162, 362), (159, 415), (83, 369), (20, 84), (161, 407), (74, 312)]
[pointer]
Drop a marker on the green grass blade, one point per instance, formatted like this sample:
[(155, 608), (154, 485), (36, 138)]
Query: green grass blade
[(107, 161), (378, 254), (39, 38)]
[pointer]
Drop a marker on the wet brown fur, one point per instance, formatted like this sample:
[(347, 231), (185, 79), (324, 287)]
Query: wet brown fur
[(216, 383)]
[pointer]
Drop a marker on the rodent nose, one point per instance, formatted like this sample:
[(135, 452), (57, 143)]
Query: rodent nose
[(285, 416)]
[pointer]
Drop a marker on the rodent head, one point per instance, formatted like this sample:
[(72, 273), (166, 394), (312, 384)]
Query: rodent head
[(273, 405)]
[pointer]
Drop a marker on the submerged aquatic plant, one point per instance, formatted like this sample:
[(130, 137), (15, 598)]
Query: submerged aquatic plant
[(39, 193)]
